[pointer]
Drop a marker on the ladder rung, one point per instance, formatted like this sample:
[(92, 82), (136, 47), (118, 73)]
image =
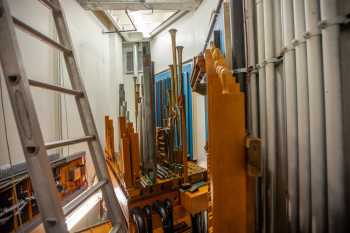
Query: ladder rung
[(50, 5), (72, 205), (52, 145), (40, 36), (55, 88)]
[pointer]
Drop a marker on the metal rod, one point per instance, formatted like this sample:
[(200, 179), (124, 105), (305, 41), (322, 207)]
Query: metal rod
[(39, 84), (56, 144), (72, 205), (40, 36), (131, 21), (334, 117), (317, 120), (304, 206)]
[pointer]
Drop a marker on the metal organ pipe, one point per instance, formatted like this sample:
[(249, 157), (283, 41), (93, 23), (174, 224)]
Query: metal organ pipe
[(253, 103), (303, 117), (262, 99), (317, 121), (281, 160), (334, 121), (291, 116), (270, 109), (251, 60)]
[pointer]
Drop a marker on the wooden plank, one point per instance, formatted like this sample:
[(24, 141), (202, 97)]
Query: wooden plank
[(226, 156), (126, 161), (136, 160), (197, 201), (122, 126)]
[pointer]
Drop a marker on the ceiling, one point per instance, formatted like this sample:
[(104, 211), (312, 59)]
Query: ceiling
[(140, 19), (145, 21), (139, 4)]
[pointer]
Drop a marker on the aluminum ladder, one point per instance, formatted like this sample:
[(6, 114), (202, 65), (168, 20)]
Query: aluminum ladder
[(34, 147)]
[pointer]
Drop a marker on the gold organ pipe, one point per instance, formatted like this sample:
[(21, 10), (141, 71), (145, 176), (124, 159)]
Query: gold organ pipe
[(179, 56), (182, 107), (173, 46), (172, 79)]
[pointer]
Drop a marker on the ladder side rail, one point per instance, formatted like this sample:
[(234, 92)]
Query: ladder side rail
[(87, 120), (49, 4), (28, 126)]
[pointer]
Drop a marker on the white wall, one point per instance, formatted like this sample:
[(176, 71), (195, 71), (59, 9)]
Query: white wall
[(99, 58), (192, 31), (40, 64)]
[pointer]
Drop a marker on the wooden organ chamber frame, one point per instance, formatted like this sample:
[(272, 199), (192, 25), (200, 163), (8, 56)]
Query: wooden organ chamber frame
[(232, 156), (226, 142), (174, 196)]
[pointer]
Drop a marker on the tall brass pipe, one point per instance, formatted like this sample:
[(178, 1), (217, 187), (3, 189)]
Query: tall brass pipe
[(172, 86), (182, 107), (173, 46), (179, 57)]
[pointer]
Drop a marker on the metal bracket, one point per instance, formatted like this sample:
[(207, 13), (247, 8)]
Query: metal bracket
[(240, 70), (309, 35), (254, 164), (341, 20), (275, 60)]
